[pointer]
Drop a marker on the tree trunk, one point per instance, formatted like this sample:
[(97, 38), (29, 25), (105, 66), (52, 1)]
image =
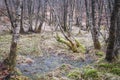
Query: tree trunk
[(11, 60), (87, 15), (42, 19), (93, 28), (30, 14), (38, 30), (65, 15), (114, 34), (21, 20), (13, 51)]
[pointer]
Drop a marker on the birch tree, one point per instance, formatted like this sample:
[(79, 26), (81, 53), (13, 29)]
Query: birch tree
[(15, 23)]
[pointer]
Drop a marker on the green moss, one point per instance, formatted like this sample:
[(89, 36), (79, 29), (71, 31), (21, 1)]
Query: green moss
[(66, 42), (117, 64), (76, 75), (91, 73), (116, 71), (113, 68), (74, 45), (99, 53), (80, 46), (106, 65)]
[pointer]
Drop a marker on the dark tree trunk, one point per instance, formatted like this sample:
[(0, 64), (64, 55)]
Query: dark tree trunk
[(38, 30), (21, 21), (42, 19), (65, 15), (87, 14), (114, 34), (93, 28), (30, 14)]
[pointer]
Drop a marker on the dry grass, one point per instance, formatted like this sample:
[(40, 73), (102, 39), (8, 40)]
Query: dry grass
[(37, 44), (27, 45)]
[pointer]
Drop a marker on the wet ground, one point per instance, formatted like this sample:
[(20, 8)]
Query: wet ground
[(49, 62)]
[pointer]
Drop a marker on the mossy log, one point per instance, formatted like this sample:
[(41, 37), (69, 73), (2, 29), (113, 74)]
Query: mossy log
[(75, 45), (80, 46)]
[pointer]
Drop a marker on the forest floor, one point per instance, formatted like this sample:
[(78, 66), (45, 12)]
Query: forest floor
[(41, 57)]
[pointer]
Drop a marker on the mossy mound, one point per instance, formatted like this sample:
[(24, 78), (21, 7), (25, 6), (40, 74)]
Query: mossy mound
[(115, 71), (75, 75), (99, 53), (104, 67), (113, 68), (90, 73)]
